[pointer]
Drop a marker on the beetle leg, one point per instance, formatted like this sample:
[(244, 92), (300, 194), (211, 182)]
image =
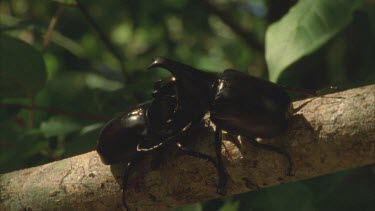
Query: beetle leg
[(221, 189), (196, 154), (127, 172), (274, 149), (221, 171), (166, 141), (143, 149)]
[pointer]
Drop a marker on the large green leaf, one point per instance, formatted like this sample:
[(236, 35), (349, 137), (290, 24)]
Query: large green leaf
[(305, 28), (22, 68)]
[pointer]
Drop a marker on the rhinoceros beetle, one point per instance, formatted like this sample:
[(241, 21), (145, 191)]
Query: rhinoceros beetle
[(236, 102), (145, 129)]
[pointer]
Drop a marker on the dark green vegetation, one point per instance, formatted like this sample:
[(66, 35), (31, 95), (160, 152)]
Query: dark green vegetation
[(67, 68)]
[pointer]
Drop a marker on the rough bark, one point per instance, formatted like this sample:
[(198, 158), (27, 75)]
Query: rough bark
[(328, 134)]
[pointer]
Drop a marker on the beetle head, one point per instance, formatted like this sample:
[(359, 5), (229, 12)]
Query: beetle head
[(161, 112), (119, 138), (191, 82), (145, 126), (193, 88)]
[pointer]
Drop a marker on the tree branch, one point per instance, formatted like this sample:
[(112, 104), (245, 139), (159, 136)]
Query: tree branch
[(327, 135)]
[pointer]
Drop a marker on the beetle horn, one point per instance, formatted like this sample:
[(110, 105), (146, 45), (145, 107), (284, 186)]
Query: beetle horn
[(187, 77), (193, 88), (177, 69)]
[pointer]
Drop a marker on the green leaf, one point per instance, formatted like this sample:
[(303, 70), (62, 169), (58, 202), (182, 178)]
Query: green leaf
[(7, 112), (91, 128), (58, 126), (22, 68), (305, 28), (66, 2), (18, 148), (289, 197), (191, 207), (230, 206)]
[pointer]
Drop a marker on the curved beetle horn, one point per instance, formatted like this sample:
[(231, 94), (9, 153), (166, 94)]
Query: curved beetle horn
[(177, 69), (191, 82), (193, 91)]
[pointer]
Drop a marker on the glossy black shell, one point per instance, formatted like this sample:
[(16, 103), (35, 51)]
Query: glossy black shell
[(118, 139), (237, 102), (146, 125), (249, 106)]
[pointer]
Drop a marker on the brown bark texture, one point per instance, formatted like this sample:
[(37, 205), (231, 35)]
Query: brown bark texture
[(329, 134)]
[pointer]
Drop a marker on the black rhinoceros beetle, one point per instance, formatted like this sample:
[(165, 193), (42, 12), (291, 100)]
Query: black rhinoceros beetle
[(145, 129), (236, 102)]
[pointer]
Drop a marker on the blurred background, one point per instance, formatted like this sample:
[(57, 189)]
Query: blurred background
[(67, 67)]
